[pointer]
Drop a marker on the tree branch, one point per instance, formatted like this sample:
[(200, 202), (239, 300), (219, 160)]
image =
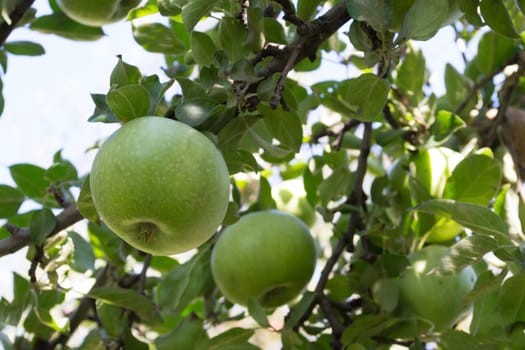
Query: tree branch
[(15, 16), (83, 308), (311, 36), (20, 236), (356, 197)]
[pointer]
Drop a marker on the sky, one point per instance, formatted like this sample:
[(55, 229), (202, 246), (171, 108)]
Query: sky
[(48, 100)]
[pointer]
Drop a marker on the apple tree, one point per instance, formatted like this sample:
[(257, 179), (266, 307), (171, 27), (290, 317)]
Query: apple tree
[(412, 194)]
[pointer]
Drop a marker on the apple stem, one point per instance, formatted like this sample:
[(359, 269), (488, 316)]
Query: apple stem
[(146, 231)]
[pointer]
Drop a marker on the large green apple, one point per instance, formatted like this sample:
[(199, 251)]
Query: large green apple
[(97, 13), (160, 185), (438, 299), (268, 256)]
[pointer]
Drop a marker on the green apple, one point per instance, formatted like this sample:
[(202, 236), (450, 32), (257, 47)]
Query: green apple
[(160, 185), (290, 197), (97, 13), (437, 299), (267, 256)]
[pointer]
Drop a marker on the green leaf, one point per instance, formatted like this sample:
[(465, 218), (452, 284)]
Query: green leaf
[(507, 206), (444, 126), (258, 313), (83, 256), (169, 7), (190, 88), (365, 326), (458, 340), (511, 299), (25, 48), (30, 179), (10, 201), (185, 283), (466, 252), (336, 185), (129, 300), (299, 309), (411, 74), (61, 25), (470, 10), (475, 217), (202, 48), (194, 10), (457, 86), (189, 334), (102, 112), (498, 18), (475, 179), (368, 93), (195, 111), (62, 171), (233, 339), (493, 51), (124, 74), (231, 34), (156, 91), (156, 37), (43, 222), (284, 126), (306, 9), (128, 102), (423, 19), (379, 15), (274, 31)]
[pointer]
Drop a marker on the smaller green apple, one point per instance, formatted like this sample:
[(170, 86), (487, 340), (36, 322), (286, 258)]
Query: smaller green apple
[(268, 256), (96, 13), (437, 299)]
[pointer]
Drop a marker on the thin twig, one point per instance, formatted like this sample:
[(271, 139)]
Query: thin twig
[(335, 324), (82, 311), (289, 12), (345, 241), (479, 84), (37, 259)]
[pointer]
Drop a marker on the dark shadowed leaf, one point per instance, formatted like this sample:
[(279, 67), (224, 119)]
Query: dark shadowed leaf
[(195, 111), (185, 283), (102, 112), (498, 18), (59, 24), (189, 334), (128, 299), (233, 339), (257, 312)]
